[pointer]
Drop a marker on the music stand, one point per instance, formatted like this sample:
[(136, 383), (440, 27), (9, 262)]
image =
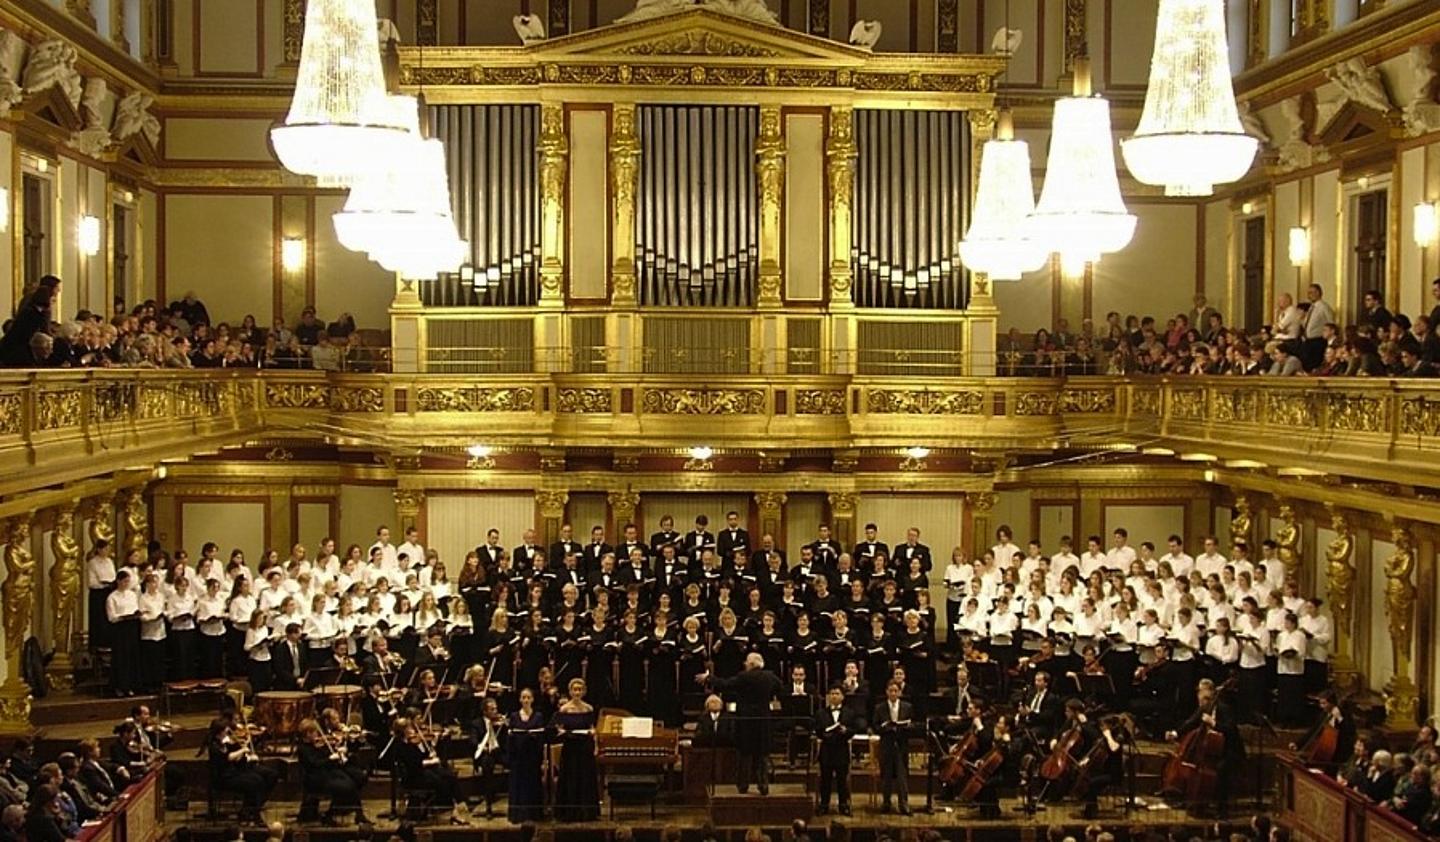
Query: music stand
[(321, 677), (1096, 686)]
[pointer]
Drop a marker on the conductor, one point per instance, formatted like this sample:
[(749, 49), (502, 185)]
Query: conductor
[(754, 689)]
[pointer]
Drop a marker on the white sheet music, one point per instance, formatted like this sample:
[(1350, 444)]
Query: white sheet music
[(637, 727)]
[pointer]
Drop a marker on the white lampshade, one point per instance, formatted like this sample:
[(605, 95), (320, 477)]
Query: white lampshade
[(998, 241), (1190, 137), (1299, 246), (338, 121), (1427, 224), (1080, 213)]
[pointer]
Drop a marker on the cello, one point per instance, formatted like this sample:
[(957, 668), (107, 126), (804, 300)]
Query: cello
[(953, 767), (1193, 769)]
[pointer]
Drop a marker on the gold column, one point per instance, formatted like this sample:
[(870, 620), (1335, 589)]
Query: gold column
[(137, 520), (770, 168), (554, 167), (407, 506), (981, 503), (18, 592), (81, 10), (772, 512), (64, 593), (1401, 698), (1340, 589), (623, 505), (624, 172), (1287, 541), (1240, 521), (552, 513), (840, 176), (842, 516)]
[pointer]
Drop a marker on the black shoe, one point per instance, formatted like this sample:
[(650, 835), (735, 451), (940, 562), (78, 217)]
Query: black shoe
[(764, 789), (1091, 810)]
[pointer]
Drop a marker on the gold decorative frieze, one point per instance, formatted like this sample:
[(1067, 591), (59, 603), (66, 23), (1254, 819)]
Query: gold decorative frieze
[(476, 400), (1087, 401), (1235, 405), (584, 401), (924, 402), (12, 414), (698, 44), (1035, 403), (297, 395), (819, 402), (1187, 404), (57, 410), (703, 402), (154, 403), (112, 401), (357, 399), (1359, 413), (1291, 409), (1420, 416)]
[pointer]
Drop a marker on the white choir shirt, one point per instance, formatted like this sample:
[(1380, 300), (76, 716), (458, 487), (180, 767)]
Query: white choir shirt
[(1088, 625), (388, 554), (1242, 565), (414, 552), (321, 630), (957, 576), (1293, 641), (1061, 561), (240, 609), (1293, 603), (1128, 634), (1215, 612), (1209, 564), (253, 640), (279, 622), (1253, 652), (152, 616), (210, 612), (1119, 558), (1275, 619), (1070, 602), (1005, 555), (974, 622), (1188, 635), (1148, 636), (1318, 648), (1028, 566), (270, 598), (1003, 623), (1224, 650), (1040, 627), (176, 605), (1182, 563), (1090, 562), (99, 572), (1063, 627), (121, 604)]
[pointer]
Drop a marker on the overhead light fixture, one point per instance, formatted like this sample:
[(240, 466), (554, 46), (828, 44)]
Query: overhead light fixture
[(1299, 246), (1190, 137), (998, 241), (88, 235), (292, 254), (701, 459), (1198, 457), (917, 452), (914, 459), (481, 457), (1247, 208), (1427, 224), (338, 124), (1081, 214), (1156, 451)]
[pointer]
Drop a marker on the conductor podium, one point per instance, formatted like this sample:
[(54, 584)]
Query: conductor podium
[(784, 804)]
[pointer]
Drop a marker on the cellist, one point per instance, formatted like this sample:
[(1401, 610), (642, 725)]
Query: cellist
[(1211, 712), (1316, 748), (1100, 765)]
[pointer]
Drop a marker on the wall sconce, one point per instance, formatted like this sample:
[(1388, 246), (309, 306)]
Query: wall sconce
[(292, 254), (88, 235), (481, 457), (4, 208), (914, 459), (1427, 224), (1247, 208), (1299, 246), (701, 459)]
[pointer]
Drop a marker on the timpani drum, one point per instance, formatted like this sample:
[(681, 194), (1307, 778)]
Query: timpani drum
[(281, 711), (345, 698)]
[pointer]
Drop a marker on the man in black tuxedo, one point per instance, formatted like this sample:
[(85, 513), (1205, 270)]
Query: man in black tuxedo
[(731, 539), (287, 660), (957, 716), (892, 721), (633, 570), (1042, 710), (490, 551), (524, 555), (760, 558), (696, 542), (754, 688), (856, 690), (671, 573), (866, 550), (714, 727), (912, 548), (824, 549), (630, 541), (566, 544), (595, 550), (666, 535), (834, 726)]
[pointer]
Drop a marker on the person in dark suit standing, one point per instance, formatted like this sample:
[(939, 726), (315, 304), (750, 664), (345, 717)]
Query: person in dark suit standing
[(1042, 710), (713, 728), (754, 688), (912, 548), (824, 550), (666, 535), (694, 544), (872, 546), (567, 544), (892, 720), (287, 659), (732, 538), (490, 551), (834, 726), (595, 550)]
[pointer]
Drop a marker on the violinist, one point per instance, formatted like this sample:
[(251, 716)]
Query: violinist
[(234, 767), (1156, 694), (1332, 716), (834, 726), (426, 690), (490, 738), (341, 737), (377, 709), (1211, 713), (418, 765), (323, 765)]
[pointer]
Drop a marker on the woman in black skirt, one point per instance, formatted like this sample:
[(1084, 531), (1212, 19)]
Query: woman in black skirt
[(122, 611)]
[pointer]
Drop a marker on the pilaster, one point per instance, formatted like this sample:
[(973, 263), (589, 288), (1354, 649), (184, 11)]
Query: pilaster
[(18, 595), (65, 588), (554, 175), (771, 506), (842, 516), (551, 506), (770, 170)]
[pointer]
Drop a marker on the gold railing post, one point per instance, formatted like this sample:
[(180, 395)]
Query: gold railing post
[(1401, 697), (64, 593), (770, 170), (18, 592)]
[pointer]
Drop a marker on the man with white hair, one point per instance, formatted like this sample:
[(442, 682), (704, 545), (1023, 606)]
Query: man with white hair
[(753, 690)]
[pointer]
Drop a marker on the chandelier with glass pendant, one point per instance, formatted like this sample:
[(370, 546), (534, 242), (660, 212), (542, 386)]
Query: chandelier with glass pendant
[(998, 241), (1190, 137), (1081, 214), (338, 122)]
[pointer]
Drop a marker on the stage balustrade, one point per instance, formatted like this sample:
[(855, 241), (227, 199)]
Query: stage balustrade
[(138, 814)]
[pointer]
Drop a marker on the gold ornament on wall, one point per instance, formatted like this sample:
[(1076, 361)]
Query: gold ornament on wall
[(1340, 585), (64, 575), (1287, 541), (137, 521), (1240, 520), (18, 589), (102, 523), (1401, 699)]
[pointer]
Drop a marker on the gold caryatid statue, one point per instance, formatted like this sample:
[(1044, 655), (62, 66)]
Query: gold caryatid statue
[(1340, 574), (137, 521), (64, 575), (18, 591), (1287, 541), (1400, 597), (102, 523), (1240, 521)]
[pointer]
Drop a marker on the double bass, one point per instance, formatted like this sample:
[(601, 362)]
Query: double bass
[(953, 766), (1194, 768), (1321, 748)]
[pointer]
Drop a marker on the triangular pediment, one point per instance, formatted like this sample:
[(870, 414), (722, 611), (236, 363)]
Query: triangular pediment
[(52, 106), (137, 149), (698, 33), (1353, 125)]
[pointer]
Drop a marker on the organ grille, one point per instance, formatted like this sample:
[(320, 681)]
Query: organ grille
[(911, 204), (697, 346), (697, 211), (490, 151), (492, 346)]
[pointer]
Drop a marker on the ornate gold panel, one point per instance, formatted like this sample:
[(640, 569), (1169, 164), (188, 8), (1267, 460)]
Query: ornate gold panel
[(1420, 416), (1291, 409), (1359, 413), (1232, 405), (924, 402), (703, 402), (12, 414), (819, 402), (297, 395), (57, 410), (1187, 404), (585, 401), (476, 400), (1084, 401), (357, 399), (1145, 400), (1035, 403)]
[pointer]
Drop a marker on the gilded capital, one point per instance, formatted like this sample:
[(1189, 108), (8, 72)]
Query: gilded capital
[(770, 502), (408, 501), (623, 504), (552, 503), (982, 501), (843, 503)]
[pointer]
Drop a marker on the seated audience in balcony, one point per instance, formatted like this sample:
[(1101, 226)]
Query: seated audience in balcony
[(1413, 365), (328, 353), (1412, 796), (1285, 363), (309, 328), (1375, 313), (191, 309)]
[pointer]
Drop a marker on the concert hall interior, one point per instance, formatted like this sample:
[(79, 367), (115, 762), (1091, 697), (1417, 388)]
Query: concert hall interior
[(654, 420)]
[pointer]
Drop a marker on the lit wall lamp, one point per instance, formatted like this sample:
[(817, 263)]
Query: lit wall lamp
[(88, 235), (292, 254), (1427, 224), (1299, 246), (4, 209), (482, 457)]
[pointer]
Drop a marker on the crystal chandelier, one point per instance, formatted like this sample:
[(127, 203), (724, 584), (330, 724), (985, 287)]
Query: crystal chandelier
[(338, 122), (1190, 137), (1080, 214), (421, 241), (998, 241)]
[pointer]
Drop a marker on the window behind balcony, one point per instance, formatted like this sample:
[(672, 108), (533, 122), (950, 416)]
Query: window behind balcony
[(1371, 229), (1252, 275)]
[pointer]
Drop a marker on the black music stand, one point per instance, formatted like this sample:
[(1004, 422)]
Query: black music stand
[(316, 678)]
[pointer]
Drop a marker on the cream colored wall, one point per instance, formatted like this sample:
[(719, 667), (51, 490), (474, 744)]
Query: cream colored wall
[(221, 247), (347, 281), (312, 525), (363, 508), (586, 511), (803, 515), (1217, 258), (216, 139), (1012, 508), (7, 242), (150, 225), (805, 216), (1382, 660), (589, 261), (1146, 523), (231, 523), (457, 523), (1155, 274)]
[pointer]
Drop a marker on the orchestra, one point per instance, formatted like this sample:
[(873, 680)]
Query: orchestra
[(1055, 662)]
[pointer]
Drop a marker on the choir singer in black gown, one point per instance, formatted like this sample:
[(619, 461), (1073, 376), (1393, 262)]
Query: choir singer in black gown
[(525, 751), (754, 690)]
